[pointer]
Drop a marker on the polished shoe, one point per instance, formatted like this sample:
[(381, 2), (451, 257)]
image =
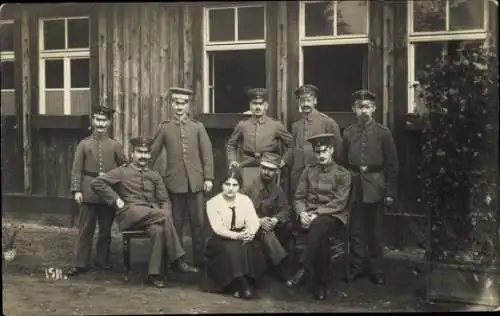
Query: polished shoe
[(184, 267), (77, 271), (319, 293), (377, 279), (157, 281), (248, 294), (297, 279)]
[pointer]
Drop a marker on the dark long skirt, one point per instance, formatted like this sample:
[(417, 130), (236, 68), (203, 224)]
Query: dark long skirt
[(227, 259)]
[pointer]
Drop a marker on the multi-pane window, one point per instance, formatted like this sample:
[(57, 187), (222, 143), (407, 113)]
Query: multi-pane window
[(334, 50), (7, 59), (234, 48), (440, 27), (64, 76)]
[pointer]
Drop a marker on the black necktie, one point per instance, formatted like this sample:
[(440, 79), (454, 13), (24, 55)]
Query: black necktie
[(233, 218)]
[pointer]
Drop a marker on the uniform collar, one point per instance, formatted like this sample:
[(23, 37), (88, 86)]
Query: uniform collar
[(368, 125), (260, 120), (314, 113), (133, 165), (96, 136), (327, 168), (182, 120)]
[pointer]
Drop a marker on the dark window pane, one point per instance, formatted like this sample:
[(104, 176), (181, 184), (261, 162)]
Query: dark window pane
[(319, 18), (54, 74), (7, 37), (351, 17), (80, 73), (337, 71), (235, 72), (251, 23), (53, 34), (7, 72), (78, 33), (221, 25), (466, 14), (429, 15)]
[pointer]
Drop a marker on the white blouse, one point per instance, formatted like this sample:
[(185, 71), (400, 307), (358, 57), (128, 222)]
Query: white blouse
[(220, 214)]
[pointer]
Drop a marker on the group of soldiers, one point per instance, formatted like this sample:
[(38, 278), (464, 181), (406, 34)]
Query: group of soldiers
[(335, 180)]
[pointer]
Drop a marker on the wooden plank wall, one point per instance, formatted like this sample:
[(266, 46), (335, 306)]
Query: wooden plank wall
[(143, 50)]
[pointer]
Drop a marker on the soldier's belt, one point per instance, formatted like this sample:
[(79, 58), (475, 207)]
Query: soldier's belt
[(256, 155), (366, 168), (91, 173)]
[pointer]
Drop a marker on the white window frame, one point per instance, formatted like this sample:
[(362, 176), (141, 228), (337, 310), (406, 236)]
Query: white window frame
[(225, 46), (330, 40), (436, 36), (8, 55), (66, 55)]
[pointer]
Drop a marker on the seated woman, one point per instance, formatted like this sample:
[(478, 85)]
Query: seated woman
[(234, 261)]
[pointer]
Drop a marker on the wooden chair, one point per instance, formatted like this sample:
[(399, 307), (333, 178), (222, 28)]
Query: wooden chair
[(127, 235)]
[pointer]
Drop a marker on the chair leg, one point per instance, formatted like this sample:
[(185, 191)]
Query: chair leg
[(347, 257), (126, 258)]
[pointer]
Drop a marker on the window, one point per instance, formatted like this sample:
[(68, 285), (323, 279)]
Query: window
[(7, 58), (64, 46), (334, 50), (234, 49), (440, 27)]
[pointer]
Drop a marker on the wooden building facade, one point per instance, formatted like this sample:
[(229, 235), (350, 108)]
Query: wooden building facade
[(59, 59)]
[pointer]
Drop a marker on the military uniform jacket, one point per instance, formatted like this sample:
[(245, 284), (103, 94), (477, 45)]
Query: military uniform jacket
[(94, 154), (372, 145), (189, 156), (269, 200), (258, 136), (315, 123), (325, 190), (136, 187)]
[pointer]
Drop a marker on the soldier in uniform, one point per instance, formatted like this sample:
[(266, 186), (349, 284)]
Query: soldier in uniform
[(320, 203), (312, 123), (271, 205), (370, 154), (255, 136), (189, 167), (141, 201), (94, 155)]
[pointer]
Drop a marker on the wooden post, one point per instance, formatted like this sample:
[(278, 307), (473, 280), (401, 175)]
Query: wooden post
[(375, 65), (134, 67), (102, 65), (126, 77), (26, 100), (117, 87), (282, 73)]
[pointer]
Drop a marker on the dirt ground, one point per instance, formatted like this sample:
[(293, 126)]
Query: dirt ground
[(26, 291)]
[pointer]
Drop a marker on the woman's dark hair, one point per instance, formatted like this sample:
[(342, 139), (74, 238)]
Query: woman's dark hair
[(235, 173)]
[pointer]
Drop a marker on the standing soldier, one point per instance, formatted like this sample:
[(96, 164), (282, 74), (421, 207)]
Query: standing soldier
[(370, 154), (312, 123), (255, 136), (94, 156), (189, 167)]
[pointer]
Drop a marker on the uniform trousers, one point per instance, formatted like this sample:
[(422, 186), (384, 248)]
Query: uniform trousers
[(249, 174), (159, 225), (190, 204), (316, 256), (90, 214)]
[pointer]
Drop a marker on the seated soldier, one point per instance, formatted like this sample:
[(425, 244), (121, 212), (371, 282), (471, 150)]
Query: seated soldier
[(320, 202), (142, 202), (273, 210)]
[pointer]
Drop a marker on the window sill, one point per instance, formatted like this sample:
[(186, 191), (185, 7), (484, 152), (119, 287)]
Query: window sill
[(221, 120), (60, 121)]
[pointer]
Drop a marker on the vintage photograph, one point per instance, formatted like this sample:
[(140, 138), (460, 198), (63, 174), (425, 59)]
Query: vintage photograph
[(249, 157)]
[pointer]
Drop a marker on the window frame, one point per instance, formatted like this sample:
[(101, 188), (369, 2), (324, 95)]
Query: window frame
[(436, 36), (9, 56), (208, 105), (330, 40), (66, 55)]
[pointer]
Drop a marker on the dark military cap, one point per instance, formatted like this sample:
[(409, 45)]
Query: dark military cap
[(321, 141), (362, 95), (102, 110), (181, 92), (306, 89), (257, 95), (270, 160), (141, 141)]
